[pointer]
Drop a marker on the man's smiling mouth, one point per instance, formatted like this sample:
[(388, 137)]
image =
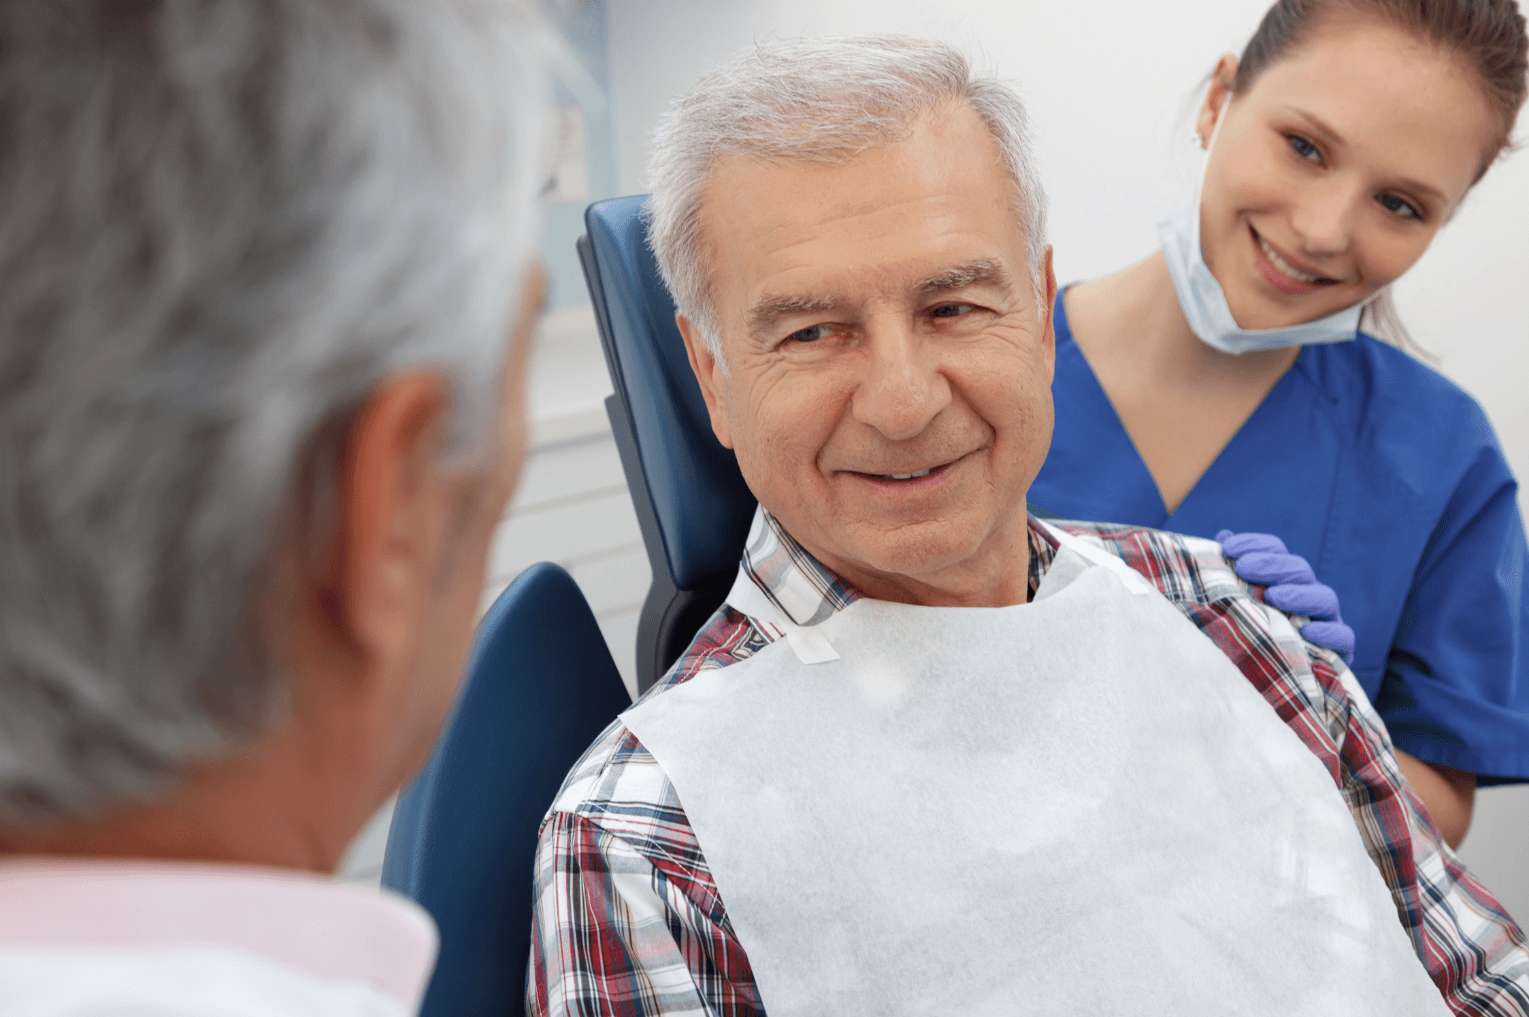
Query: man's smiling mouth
[(927, 474), (900, 478)]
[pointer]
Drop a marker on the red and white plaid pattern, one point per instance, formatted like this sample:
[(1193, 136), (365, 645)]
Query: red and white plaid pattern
[(628, 919)]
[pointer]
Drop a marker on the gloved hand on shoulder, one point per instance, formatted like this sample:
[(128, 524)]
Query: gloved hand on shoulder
[(1290, 585)]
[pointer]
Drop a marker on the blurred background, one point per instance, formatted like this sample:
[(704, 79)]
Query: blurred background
[(1110, 85)]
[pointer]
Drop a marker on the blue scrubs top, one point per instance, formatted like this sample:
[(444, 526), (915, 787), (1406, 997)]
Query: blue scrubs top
[(1389, 480)]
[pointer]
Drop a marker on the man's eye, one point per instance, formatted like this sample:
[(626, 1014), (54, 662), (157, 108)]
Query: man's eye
[(1303, 148), (952, 310), (811, 334), (1400, 206)]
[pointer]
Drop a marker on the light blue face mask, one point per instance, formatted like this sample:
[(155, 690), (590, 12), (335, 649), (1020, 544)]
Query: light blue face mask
[(1204, 302)]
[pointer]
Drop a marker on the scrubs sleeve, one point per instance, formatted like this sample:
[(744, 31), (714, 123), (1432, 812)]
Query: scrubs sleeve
[(1455, 691)]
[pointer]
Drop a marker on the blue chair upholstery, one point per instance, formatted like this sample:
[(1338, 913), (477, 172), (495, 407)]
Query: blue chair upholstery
[(540, 688), (691, 501)]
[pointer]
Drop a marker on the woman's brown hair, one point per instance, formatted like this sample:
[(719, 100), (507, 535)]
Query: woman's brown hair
[(1488, 36)]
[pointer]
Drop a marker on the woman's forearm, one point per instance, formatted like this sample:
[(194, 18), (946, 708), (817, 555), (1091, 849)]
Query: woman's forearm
[(1449, 794)]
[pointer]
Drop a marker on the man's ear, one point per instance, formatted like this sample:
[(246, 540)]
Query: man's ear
[(1048, 338), (1221, 80), (709, 374), (396, 508)]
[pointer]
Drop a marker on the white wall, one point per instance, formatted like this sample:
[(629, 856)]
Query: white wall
[(1109, 83)]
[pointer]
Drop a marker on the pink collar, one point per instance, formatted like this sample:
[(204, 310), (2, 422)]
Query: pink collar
[(308, 922)]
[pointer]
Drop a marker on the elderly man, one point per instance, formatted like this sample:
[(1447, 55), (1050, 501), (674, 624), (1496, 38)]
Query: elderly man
[(934, 756), (266, 285)]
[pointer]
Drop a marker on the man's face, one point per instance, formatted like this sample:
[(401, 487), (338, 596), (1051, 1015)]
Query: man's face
[(887, 377)]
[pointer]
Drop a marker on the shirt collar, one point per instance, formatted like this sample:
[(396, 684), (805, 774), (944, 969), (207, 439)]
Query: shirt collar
[(803, 589), (311, 923)]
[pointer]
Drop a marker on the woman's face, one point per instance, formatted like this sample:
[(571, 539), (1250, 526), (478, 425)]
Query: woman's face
[(1333, 171)]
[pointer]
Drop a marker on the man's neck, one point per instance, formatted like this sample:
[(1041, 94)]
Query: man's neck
[(262, 808), (997, 575)]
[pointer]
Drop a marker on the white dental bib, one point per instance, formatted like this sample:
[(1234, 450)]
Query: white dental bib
[(1073, 806)]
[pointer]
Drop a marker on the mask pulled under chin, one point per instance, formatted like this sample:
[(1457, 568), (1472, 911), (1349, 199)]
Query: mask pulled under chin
[(1204, 302)]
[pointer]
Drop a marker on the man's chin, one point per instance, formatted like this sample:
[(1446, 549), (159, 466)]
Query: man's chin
[(911, 552)]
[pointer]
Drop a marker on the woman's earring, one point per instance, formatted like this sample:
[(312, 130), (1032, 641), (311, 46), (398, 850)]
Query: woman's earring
[(1195, 139)]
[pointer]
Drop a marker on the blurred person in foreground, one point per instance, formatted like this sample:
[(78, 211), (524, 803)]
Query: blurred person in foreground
[(935, 754), (267, 284)]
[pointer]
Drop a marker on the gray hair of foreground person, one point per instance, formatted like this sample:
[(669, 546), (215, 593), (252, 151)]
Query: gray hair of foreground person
[(820, 100), (221, 225)]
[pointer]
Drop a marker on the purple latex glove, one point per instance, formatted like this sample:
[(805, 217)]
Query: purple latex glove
[(1290, 585)]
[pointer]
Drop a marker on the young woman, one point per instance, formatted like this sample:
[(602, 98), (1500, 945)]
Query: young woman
[(1225, 380)]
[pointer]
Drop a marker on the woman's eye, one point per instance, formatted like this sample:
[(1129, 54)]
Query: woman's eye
[(811, 334), (952, 310), (1303, 148), (1400, 206)]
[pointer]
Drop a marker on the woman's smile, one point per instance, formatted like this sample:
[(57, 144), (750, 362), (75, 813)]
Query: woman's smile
[(1283, 272)]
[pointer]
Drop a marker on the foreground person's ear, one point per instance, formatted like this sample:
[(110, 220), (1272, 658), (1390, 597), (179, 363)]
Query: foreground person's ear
[(396, 506), (710, 375)]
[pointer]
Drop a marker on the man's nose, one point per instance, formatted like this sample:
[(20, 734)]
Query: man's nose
[(903, 389), (1323, 219)]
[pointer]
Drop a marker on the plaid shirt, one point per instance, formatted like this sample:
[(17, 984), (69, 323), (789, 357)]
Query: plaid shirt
[(628, 919)]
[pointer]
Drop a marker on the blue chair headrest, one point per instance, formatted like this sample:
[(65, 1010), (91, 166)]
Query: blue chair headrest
[(701, 504)]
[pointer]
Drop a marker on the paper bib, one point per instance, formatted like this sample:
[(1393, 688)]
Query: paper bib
[(1073, 806)]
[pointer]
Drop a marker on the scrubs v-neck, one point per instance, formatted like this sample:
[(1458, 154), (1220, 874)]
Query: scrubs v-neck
[(1390, 481)]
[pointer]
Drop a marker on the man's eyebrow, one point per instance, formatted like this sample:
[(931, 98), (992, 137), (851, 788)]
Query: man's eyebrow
[(985, 272), (769, 310)]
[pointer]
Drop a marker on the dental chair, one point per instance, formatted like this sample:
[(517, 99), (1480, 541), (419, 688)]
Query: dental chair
[(691, 501), (540, 688)]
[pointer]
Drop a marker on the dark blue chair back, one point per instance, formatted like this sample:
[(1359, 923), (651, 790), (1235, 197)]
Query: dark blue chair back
[(540, 688), (691, 501)]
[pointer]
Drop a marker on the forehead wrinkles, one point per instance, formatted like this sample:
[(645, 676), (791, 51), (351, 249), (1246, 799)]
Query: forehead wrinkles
[(777, 257), (873, 141)]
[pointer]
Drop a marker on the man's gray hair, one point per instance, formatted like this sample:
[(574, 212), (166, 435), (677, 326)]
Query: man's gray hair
[(818, 100), (221, 225)]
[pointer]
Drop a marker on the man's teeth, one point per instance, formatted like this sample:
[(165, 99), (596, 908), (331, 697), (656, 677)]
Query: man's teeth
[(1284, 267), (910, 476)]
